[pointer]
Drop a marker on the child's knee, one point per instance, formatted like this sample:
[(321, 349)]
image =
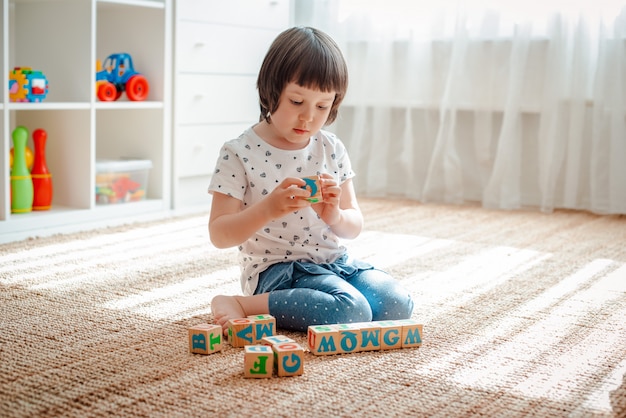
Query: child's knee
[(353, 309), (397, 304), (406, 306)]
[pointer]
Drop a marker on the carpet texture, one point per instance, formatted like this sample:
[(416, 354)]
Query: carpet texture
[(524, 314)]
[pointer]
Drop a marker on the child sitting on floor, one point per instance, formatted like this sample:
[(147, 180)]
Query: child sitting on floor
[(293, 264)]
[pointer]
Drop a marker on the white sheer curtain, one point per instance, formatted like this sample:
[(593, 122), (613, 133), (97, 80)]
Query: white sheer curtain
[(505, 103)]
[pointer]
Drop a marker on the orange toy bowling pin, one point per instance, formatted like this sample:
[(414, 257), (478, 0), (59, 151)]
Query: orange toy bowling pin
[(42, 179)]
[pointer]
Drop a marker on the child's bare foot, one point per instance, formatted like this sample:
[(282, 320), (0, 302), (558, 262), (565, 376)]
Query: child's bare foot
[(224, 309)]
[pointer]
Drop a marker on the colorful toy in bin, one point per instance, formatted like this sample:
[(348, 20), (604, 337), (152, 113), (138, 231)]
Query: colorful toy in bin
[(27, 85), (118, 75), (121, 181)]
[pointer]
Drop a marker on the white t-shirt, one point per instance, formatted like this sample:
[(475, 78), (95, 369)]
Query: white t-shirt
[(249, 168)]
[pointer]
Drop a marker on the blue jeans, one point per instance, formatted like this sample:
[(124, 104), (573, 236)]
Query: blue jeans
[(303, 294)]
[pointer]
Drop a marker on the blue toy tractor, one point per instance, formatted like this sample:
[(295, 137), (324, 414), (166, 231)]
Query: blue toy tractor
[(118, 75)]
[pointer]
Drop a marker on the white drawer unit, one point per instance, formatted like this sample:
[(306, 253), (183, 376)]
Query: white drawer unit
[(221, 49), (218, 50), (197, 146), (272, 14), (203, 99)]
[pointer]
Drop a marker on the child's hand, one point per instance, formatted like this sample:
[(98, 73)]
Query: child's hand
[(288, 196), (328, 207)]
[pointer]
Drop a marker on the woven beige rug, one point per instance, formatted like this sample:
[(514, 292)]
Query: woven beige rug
[(524, 314)]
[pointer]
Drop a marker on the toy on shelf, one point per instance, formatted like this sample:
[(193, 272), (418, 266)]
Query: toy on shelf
[(121, 181), (21, 181), (42, 179), (121, 189), (118, 75), (28, 153), (27, 85)]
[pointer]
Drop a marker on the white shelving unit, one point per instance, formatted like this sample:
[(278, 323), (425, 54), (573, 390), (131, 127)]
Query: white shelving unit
[(63, 39)]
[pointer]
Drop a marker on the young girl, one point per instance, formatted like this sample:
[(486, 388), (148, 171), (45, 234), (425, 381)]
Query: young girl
[(293, 264)]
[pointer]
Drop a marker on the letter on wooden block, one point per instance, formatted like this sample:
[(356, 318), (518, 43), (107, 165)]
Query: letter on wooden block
[(241, 332), (276, 339), (205, 338), (288, 359), (258, 361), (390, 335), (349, 337), (411, 333), (314, 186), (322, 340), (264, 326), (369, 339)]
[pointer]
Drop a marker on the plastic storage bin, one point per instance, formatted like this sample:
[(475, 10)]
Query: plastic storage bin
[(121, 181)]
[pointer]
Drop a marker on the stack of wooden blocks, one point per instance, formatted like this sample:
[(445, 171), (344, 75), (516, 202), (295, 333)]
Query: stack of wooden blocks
[(264, 352), (275, 354)]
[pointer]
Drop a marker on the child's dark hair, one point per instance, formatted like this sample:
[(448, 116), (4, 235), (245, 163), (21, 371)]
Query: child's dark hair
[(308, 57)]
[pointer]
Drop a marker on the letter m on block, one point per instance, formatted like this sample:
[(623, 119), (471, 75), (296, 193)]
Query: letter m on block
[(264, 330), (411, 335), (327, 345)]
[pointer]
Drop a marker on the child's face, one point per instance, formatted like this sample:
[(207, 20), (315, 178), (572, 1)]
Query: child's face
[(301, 113)]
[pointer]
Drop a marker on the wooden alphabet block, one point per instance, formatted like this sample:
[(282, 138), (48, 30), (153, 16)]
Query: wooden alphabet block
[(369, 339), (276, 339), (241, 332), (258, 361), (390, 335), (411, 333), (264, 326), (314, 186), (323, 340), (288, 359), (205, 338), (348, 338)]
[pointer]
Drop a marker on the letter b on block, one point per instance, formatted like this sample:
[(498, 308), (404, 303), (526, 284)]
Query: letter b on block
[(205, 338)]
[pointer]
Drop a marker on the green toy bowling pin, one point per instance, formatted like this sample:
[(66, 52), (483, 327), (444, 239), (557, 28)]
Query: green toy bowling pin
[(22, 192)]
